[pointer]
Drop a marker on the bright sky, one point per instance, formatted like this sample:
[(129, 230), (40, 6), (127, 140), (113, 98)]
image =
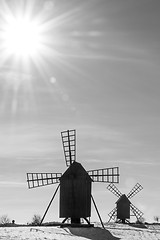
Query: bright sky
[(96, 70)]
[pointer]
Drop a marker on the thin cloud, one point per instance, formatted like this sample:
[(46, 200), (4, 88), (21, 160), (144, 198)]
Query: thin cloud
[(12, 183), (137, 162)]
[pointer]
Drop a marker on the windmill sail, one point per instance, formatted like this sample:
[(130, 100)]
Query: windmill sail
[(42, 179), (136, 211), (109, 175), (69, 146), (113, 214), (137, 188), (112, 188)]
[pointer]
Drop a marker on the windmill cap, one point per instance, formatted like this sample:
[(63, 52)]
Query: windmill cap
[(123, 198), (76, 169)]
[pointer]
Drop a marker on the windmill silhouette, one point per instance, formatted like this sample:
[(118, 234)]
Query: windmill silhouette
[(75, 183), (122, 210)]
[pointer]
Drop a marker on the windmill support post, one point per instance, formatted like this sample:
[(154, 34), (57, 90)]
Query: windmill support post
[(88, 221), (97, 212), (49, 204)]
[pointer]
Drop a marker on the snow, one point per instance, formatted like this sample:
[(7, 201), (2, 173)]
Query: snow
[(126, 232), (37, 233), (96, 233), (112, 232)]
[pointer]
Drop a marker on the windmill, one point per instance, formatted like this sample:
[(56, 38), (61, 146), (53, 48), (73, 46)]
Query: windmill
[(123, 204), (75, 183)]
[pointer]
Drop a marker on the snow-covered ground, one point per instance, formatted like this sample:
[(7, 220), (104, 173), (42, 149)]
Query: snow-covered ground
[(112, 232), (126, 232)]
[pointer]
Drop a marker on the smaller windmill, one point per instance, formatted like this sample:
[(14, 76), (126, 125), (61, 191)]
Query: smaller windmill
[(123, 205)]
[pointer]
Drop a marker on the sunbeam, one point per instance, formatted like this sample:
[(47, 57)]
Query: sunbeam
[(38, 37)]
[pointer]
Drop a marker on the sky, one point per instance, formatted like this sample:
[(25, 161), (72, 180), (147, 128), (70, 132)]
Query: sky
[(95, 70)]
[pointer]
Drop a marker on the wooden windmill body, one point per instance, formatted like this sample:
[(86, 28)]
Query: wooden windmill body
[(124, 207), (75, 193), (75, 183)]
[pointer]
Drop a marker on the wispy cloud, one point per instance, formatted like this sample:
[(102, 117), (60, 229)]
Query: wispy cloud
[(12, 184), (137, 162)]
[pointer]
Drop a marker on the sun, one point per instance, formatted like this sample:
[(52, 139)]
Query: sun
[(27, 34), (22, 37), (36, 40)]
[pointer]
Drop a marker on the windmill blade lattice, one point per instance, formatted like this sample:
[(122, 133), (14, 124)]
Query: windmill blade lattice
[(42, 179), (137, 188), (112, 188), (113, 214), (69, 146), (136, 211), (109, 175)]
